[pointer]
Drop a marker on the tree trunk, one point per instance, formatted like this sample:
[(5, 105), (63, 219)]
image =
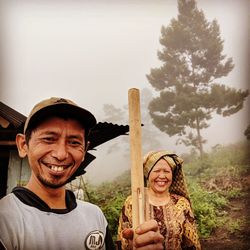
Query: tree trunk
[(199, 144)]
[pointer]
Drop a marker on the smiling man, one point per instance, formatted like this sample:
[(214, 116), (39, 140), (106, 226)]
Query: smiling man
[(55, 151), (43, 214)]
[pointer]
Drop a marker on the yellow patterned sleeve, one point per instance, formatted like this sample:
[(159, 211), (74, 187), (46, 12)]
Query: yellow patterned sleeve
[(125, 221), (190, 235)]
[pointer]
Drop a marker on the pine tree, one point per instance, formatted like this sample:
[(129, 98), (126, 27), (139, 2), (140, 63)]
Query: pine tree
[(247, 132), (193, 61)]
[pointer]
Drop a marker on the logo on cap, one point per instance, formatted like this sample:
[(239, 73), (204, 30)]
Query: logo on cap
[(61, 100), (94, 240)]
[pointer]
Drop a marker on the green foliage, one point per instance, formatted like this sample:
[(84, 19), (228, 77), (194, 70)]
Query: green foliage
[(235, 226), (212, 182), (112, 211), (234, 193), (207, 207), (232, 161), (193, 60)]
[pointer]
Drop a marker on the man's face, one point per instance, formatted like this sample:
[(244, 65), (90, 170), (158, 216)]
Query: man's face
[(55, 151)]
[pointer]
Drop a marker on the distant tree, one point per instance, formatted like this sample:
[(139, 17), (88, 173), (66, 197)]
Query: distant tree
[(113, 114), (150, 135), (189, 92), (247, 132)]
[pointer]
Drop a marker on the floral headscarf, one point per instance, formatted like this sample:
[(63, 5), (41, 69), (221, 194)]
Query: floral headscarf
[(178, 185)]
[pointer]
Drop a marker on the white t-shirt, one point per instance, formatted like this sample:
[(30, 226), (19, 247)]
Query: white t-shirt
[(26, 227)]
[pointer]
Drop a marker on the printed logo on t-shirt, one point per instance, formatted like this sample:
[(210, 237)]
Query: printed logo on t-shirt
[(94, 240)]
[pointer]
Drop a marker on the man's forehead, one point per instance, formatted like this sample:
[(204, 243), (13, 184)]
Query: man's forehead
[(56, 124)]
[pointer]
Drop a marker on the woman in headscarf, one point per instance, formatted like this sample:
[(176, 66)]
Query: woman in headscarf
[(166, 201)]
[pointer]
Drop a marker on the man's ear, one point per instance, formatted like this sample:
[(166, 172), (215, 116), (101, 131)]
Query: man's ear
[(21, 145)]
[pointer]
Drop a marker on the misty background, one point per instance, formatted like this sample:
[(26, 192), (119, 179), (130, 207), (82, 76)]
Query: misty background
[(93, 51)]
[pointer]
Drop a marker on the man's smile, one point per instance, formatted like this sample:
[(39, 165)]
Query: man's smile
[(57, 168)]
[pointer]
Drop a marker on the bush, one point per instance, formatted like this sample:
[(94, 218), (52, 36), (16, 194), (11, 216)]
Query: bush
[(112, 212), (207, 208), (222, 165)]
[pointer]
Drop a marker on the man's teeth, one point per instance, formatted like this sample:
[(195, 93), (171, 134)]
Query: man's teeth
[(56, 168)]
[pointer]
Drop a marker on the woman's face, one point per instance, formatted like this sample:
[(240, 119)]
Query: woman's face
[(160, 178)]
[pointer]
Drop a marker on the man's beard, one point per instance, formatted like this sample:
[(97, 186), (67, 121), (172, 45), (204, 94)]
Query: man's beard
[(50, 184)]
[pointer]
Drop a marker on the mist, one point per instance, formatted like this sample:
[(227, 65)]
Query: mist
[(93, 51)]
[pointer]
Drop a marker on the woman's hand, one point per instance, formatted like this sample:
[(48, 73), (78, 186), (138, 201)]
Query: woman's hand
[(147, 236)]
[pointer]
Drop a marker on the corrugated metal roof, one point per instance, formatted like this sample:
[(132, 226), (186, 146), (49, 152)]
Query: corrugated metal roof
[(100, 134), (104, 132), (11, 115)]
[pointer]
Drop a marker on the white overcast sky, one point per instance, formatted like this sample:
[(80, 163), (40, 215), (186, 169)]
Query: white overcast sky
[(94, 51)]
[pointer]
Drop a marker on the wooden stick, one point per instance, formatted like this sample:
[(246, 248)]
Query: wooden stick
[(137, 184)]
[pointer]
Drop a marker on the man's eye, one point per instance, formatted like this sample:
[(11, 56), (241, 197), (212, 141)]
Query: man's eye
[(48, 139), (75, 143)]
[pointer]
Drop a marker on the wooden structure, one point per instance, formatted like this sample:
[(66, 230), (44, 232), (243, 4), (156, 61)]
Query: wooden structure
[(137, 180), (11, 122)]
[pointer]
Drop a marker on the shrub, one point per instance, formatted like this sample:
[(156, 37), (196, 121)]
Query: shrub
[(206, 206), (222, 164)]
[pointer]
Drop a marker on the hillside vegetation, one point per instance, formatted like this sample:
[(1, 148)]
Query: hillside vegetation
[(219, 191)]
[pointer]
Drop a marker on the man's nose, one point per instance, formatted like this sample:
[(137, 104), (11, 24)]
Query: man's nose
[(60, 151)]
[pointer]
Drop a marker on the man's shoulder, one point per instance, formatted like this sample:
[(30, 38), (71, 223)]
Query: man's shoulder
[(90, 212), (88, 206), (9, 207), (7, 200)]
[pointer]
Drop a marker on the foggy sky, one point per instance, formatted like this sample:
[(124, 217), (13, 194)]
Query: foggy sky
[(94, 51)]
